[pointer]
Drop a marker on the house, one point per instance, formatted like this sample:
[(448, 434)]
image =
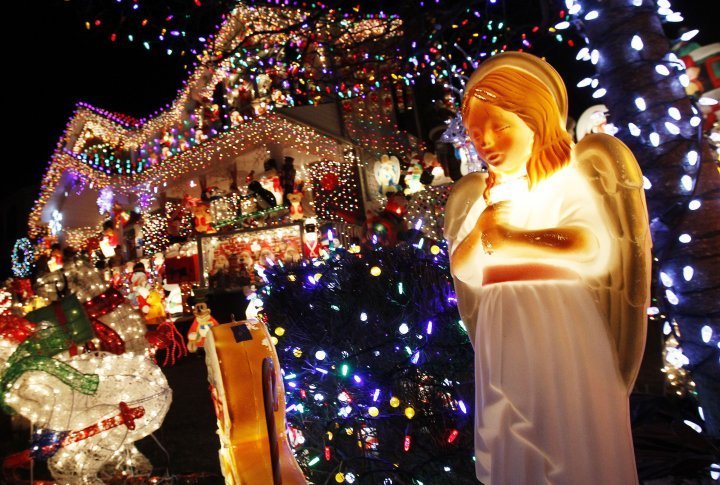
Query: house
[(298, 105)]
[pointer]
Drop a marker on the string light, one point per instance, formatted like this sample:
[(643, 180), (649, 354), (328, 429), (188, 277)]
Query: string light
[(23, 258)]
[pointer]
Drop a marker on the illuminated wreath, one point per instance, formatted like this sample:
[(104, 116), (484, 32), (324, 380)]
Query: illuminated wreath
[(23, 257)]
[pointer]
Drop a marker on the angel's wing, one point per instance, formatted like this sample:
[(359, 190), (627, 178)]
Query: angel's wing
[(463, 207), (623, 291)]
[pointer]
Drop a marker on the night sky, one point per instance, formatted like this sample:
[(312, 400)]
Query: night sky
[(56, 62)]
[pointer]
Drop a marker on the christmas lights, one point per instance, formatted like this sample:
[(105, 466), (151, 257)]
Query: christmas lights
[(23, 258), (225, 147), (336, 188), (352, 386), (664, 131)]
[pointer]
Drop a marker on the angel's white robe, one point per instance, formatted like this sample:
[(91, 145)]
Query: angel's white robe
[(551, 406)]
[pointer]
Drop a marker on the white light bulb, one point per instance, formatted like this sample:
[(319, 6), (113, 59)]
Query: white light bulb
[(694, 204), (403, 329), (674, 17), (695, 121), (640, 103), (574, 9), (634, 130), (674, 113), (684, 80), (594, 56), (667, 328), (686, 182), (654, 139), (671, 297), (688, 273), (672, 128), (706, 333), (583, 54), (594, 83), (599, 93), (636, 43), (684, 238), (584, 82), (637, 3), (692, 425), (320, 355), (692, 157), (666, 279), (592, 15), (562, 25), (662, 70), (707, 101), (647, 185), (689, 35), (664, 3)]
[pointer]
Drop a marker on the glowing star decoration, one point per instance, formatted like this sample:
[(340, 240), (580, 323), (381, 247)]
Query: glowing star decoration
[(105, 200), (55, 223), (387, 174), (88, 409), (247, 389)]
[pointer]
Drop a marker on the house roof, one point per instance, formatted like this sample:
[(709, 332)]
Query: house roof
[(104, 149)]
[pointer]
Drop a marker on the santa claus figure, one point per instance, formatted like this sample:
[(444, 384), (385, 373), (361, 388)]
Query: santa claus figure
[(311, 241)]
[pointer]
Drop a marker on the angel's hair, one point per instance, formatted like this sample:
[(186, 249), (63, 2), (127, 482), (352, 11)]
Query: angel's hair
[(526, 96)]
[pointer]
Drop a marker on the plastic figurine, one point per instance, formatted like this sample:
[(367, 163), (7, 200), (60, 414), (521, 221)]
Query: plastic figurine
[(387, 174), (202, 324), (265, 198), (202, 218), (55, 262), (154, 308), (296, 209), (139, 286), (288, 176), (550, 253), (311, 242)]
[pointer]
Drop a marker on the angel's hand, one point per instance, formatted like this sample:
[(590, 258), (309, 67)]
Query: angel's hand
[(490, 225), (493, 215)]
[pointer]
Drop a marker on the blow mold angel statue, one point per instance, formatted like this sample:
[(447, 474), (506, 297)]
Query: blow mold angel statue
[(550, 255)]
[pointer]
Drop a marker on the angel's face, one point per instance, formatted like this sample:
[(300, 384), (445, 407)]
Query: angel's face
[(501, 138)]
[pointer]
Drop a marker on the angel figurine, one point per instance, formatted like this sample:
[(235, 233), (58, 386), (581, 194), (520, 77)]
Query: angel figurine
[(550, 255)]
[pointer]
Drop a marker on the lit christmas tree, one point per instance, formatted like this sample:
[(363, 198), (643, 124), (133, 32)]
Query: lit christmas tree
[(378, 367), (642, 82)]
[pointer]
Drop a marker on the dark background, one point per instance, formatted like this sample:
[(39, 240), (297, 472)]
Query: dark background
[(55, 62)]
